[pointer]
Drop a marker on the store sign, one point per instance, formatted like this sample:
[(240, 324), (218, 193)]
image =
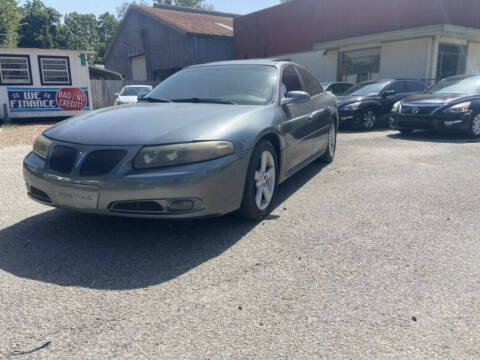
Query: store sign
[(47, 99)]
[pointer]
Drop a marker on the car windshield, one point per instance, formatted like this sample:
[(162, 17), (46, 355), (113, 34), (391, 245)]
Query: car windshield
[(238, 84), (366, 89), (135, 90), (464, 86)]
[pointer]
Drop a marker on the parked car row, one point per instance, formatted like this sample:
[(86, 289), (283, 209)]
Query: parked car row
[(218, 138), (409, 105)]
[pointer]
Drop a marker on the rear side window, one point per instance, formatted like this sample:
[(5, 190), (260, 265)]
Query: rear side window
[(399, 86), (290, 80), (345, 87), (415, 86), (336, 89), (312, 86)]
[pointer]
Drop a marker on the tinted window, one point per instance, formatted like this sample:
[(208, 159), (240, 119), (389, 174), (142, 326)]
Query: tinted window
[(345, 87), (415, 86), (290, 80), (399, 86), (336, 89), (312, 86), (241, 84), (367, 88)]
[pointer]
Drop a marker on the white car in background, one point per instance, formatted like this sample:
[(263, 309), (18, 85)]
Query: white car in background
[(130, 94)]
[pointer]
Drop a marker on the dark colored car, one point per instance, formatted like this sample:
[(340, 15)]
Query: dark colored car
[(450, 104), (364, 104), (336, 88)]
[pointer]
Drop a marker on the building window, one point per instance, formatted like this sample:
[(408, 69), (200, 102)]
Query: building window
[(452, 60), (15, 70), (359, 65), (55, 70)]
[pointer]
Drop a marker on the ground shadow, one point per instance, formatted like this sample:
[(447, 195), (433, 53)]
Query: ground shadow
[(435, 137), (71, 249)]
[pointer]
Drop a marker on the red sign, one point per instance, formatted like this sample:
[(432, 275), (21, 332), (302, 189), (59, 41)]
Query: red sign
[(71, 99)]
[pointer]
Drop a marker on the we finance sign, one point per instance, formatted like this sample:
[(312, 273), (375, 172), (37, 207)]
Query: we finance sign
[(47, 99)]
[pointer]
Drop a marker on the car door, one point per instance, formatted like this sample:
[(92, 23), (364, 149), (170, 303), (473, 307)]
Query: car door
[(401, 91), (297, 127), (322, 105)]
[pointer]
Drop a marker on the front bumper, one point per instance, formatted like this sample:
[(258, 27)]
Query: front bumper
[(432, 122), (214, 187), (347, 116)]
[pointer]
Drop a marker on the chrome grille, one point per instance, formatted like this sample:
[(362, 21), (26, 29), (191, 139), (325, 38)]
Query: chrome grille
[(418, 110)]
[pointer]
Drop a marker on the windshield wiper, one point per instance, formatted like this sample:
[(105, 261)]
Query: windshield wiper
[(150, 99), (207, 101)]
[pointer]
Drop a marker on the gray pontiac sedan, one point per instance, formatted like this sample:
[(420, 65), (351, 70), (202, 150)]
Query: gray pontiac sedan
[(209, 140)]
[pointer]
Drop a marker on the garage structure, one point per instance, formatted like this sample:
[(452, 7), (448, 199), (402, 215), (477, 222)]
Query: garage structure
[(154, 42), (341, 40)]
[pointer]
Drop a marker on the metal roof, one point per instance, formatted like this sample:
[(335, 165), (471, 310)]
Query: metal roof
[(184, 20)]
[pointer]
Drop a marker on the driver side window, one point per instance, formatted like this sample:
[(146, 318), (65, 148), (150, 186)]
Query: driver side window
[(290, 80)]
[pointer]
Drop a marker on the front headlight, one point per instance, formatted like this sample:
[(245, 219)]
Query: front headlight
[(169, 155), (352, 107), (459, 108), (41, 146), (396, 106)]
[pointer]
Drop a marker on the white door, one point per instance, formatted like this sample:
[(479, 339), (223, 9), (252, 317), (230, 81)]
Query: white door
[(139, 67)]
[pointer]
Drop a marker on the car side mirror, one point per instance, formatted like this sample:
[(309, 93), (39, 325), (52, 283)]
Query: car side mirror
[(141, 96), (389, 93), (117, 94), (294, 97)]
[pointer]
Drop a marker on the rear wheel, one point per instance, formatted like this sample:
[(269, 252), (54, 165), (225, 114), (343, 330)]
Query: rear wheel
[(261, 183), (329, 154), (367, 119), (474, 130)]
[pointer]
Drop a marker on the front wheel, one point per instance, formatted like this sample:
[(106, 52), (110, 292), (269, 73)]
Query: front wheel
[(261, 183), (329, 154), (367, 120), (474, 130)]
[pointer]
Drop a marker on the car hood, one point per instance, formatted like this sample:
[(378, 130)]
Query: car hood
[(433, 98), (128, 99), (153, 124)]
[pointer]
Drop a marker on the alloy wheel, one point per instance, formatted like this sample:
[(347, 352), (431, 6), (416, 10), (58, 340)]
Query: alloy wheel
[(332, 140), (265, 177), (368, 120), (476, 125)]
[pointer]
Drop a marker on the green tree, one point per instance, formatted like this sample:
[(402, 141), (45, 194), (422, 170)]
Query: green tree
[(79, 32), (107, 26), (123, 8), (198, 4), (9, 22), (38, 26)]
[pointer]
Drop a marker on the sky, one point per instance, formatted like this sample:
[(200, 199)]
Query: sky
[(100, 6)]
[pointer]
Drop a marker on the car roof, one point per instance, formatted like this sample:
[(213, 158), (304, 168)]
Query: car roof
[(138, 85), (460, 77), (270, 62)]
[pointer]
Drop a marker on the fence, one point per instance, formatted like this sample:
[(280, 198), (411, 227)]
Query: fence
[(103, 91)]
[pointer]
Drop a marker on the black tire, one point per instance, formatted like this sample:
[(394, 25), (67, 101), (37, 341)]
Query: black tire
[(474, 129), (406, 132), (250, 210), (363, 124), (329, 154)]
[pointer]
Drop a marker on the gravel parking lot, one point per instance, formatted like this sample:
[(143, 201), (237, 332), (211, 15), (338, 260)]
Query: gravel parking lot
[(374, 257)]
